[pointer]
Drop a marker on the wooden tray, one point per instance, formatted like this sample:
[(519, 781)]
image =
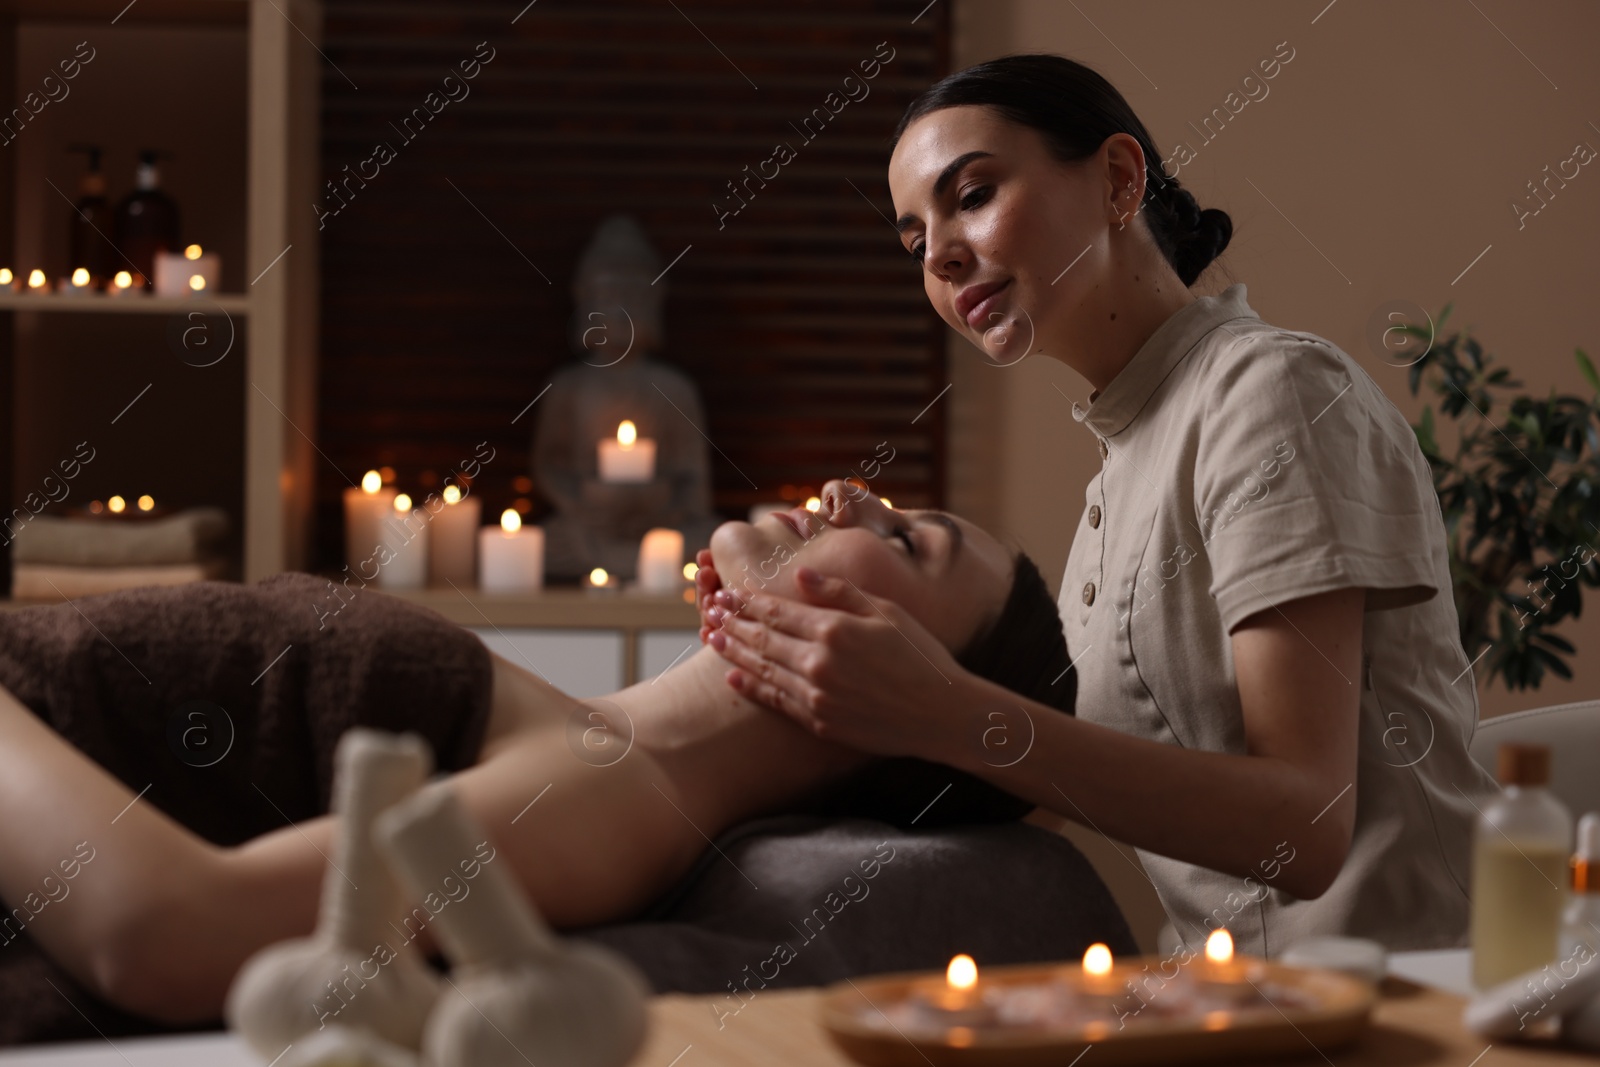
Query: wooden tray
[(1341, 1006)]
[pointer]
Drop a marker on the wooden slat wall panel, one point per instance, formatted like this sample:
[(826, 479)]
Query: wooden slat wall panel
[(802, 320)]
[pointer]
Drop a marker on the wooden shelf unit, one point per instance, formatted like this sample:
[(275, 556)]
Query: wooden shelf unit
[(277, 405)]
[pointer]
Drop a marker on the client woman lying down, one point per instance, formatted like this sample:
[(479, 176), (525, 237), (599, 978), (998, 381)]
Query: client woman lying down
[(191, 866)]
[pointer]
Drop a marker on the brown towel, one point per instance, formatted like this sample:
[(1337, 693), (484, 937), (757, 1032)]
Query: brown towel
[(183, 537), (135, 680)]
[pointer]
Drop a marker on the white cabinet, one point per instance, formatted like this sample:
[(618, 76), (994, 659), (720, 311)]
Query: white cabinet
[(589, 662)]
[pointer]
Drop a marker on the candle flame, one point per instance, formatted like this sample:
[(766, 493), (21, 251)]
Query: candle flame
[(1219, 946), (510, 521), (962, 972), (80, 277), (122, 279), (1097, 959), (116, 504), (627, 433), (402, 503), (452, 494), (6, 276), (598, 576), (193, 252), (885, 501), (197, 282), (371, 482), (814, 503), (691, 569), (147, 502), (36, 279)]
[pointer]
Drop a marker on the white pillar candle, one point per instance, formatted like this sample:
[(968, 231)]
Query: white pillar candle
[(176, 272), (661, 561), (406, 534), (628, 458), (365, 510), (453, 546), (510, 556)]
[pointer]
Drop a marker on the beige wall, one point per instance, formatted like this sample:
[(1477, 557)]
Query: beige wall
[(1392, 145)]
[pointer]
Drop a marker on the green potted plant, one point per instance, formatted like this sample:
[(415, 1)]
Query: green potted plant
[(1520, 494)]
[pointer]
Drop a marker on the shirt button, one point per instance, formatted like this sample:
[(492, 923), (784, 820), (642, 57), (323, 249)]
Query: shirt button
[(1088, 593), (1105, 451), (1094, 516)]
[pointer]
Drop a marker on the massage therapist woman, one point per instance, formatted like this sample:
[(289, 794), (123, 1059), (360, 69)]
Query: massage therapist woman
[(1273, 704)]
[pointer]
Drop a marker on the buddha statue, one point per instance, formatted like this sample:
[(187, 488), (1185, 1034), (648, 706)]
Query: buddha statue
[(618, 376)]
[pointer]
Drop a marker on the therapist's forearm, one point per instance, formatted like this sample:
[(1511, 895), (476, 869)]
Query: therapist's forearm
[(1231, 813)]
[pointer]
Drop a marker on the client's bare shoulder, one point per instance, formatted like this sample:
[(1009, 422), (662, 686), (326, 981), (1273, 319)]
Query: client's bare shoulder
[(522, 703)]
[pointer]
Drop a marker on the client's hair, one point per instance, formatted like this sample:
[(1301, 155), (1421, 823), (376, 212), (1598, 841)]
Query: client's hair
[(1022, 648), (1075, 110)]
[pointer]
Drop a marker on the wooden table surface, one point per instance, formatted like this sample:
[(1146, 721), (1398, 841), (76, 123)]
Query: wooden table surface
[(1411, 1025)]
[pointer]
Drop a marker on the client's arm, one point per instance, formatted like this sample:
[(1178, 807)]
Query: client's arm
[(159, 920)]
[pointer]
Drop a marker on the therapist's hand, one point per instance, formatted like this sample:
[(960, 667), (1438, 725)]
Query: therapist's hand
[(707, 584), (849, 667)]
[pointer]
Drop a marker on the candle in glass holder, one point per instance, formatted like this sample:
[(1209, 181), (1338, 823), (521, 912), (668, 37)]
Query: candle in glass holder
[(365, 511), (454, 545), (628, 458), (661, 561), (194, 270), (406, 535), (510, 556)]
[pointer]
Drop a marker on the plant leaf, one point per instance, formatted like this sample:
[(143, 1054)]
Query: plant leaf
[(1586, 368)]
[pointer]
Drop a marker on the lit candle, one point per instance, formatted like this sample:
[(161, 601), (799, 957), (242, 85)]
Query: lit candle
[(194, 270), (37, 282), (365, 510), (147, 502), (661, 561), (629, 458), (1223, 978), (406, 533), (510, 556), (453, 551), (8, 279), (77, 284), (957, 1001), (599, 581), (117, 505), (1097, 966), (122, 285)]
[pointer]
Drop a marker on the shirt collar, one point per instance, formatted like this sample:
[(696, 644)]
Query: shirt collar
[(1113, 408)]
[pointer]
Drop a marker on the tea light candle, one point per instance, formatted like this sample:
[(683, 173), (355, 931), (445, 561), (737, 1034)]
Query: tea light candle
[(9, 280), (406, 535), (192, 271), (629, 458), (122, 285), (661, 561), (958, 1001), (1221, 977), (365, 510), (510, 556), (453, 549), (37, 282), (77, 284)]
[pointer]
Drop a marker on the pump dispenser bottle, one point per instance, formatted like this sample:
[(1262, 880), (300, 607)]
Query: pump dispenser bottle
[(147, 219), (1580, 923), (1520, 857)]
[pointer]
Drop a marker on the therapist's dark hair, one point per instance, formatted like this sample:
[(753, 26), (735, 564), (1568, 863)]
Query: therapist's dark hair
[(1075, 109)]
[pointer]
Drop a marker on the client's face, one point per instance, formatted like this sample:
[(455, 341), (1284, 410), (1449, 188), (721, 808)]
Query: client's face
[(947, 573)]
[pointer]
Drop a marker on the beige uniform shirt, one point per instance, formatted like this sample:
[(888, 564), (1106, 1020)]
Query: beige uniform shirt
[(1243, 466)]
